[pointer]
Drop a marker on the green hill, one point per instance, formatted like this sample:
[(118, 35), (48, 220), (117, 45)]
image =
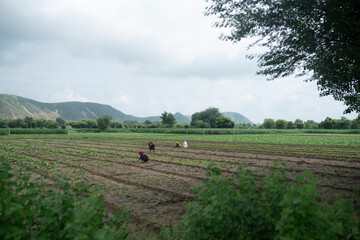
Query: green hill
[(13, 107), (237, 117)]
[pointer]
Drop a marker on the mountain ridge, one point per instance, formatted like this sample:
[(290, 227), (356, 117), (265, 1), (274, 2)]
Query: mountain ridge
[(12, 107)]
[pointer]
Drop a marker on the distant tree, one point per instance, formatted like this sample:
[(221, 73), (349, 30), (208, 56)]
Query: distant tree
[(156, 124), (28, 121), (355, 124), (290, 125), (89, 123), (104, 121), (280, 124), (299, 124), (75, 124), (168, 119), (311, 124), (342, 123), (201, 124), (328, 123), (140, 125), (3, 124), (40, 123), (148, 122), (61, 122), (51, 124), (315, 37), (130, 123), (209, 115), (242, 126), (269, 123), (182, 125), (115, 125), (224, 122)]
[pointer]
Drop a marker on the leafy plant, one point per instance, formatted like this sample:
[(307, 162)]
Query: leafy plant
[(65, 210), (270, 208)]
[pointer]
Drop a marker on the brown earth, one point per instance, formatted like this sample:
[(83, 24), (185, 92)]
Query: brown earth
[(157, 191)]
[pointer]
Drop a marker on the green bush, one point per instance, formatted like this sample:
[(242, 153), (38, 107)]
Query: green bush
[(273, 208), (31, 210), (4, 132)]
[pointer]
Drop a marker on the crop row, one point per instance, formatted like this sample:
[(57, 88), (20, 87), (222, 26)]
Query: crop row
[(189, 158)]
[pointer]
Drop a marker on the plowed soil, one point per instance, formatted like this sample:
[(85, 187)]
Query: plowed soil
[(157, 191)]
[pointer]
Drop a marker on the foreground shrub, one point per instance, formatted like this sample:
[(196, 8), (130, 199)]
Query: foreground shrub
[(31, 210), (272, 208)]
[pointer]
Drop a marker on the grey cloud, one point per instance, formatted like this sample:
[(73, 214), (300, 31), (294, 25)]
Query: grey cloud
[(27, 33)]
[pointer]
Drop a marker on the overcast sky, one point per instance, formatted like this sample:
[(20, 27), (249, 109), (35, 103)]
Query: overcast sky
[(143, 58)]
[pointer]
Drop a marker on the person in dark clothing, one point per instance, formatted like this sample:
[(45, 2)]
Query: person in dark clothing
[(151, 146), (178, 144), (143, 157)]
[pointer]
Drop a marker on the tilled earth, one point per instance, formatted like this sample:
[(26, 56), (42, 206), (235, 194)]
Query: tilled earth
[(157, 191)]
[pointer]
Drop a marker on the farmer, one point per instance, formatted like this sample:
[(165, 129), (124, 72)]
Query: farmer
[(143, 157), (178, 144), (151, 146)]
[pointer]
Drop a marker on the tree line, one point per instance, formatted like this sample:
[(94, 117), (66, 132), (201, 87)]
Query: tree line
[(209, 118), (328, 123)]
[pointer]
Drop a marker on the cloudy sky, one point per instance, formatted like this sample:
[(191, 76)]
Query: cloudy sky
[(143, 58)]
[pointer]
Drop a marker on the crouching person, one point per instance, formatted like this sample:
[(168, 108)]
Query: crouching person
[(143, 157)]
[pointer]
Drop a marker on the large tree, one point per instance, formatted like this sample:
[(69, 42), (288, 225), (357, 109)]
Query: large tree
[(224, 122), (168, 119), (104, 121), (320, 38), (208, 116)]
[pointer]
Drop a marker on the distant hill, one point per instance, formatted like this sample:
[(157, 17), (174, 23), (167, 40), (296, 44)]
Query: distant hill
[(237, 117), (12, 107), (181, 118)]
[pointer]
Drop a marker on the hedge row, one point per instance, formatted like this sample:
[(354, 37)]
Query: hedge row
[(211, 131), (8, 131)]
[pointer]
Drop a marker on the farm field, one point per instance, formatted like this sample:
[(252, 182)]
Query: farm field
[(157, 191)]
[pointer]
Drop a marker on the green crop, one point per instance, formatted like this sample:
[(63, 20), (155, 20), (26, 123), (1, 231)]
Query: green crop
[(33, 210), (270, 208)]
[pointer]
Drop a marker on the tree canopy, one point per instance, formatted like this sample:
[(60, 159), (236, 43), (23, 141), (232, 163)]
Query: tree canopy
[(208, 116), (318, 37), (104, 121), (224, 122), (168, 119)]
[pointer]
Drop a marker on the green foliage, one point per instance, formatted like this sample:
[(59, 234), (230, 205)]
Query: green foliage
[(61, 122), (168, 119), (89, 123), (269, 123), (51, 124), (4, 132), (208, 116), (116, 124), (104, 122), (328, 123), (311, 124), (290, 125), (274, 207), (280, 124), (320, 38), (32, 210), (36, 131), (299, 124), (224, 122)]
